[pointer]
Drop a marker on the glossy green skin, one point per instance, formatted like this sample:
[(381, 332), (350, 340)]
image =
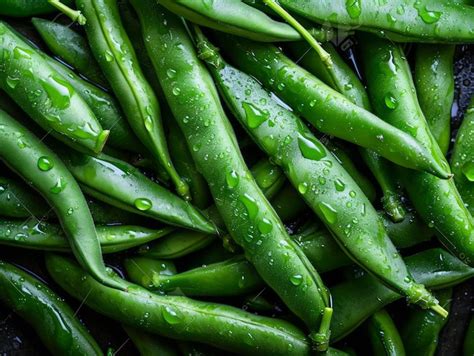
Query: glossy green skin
[(421, 329), (184, 163), (150, 345), (345, 81), (26, 8), (248, 216), (326, 109), (288, 203), (48, 314), (357, 299), (37, 235), (384, 336), (409, 232), (440, 205), (118, 183), (322, 182), (71, 47), (115, 54), (105, 108), (468, 348), (230, 278), (462, 159), (145, 271), (233, 17), (17, 200), (399, 20), (434, 82), (180, 317), (23, 152), (45, 96)]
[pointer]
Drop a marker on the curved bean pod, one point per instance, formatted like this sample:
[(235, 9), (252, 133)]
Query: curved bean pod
[(26, 8), (39, 166), (326, 109), (49, 315), (249, 218), (462, 159), (47, 98), (71, 47), (233, 17), (37, 235), (434, 81), (116, 56), (180, 317), (118, 183), (384, 336), (322, 182), (393, 96)]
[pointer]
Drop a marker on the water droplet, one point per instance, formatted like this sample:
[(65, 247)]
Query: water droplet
[(250, 205), (171, 316), (339, 184), (329, 213), (428, 17), (296, 280), (45, 164), (311, 149), (391, 102), (353, 8), (143, 204), (171, 73), (232, 179), (59, 186), (149, 123), (468, 171), (265, 226), (12, 81), (109, 56), (254, 116), (59, 91), (176, 91), (303, 188)]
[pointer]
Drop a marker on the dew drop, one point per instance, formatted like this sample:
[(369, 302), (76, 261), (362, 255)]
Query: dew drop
[(265, 226), (59, 186), (311, 149), (171, 316), (45, 164), (232, 179), (250, 205), (143, 204), (468, 171), (254, 116), (296, 280), (329, 214), (391, 102)]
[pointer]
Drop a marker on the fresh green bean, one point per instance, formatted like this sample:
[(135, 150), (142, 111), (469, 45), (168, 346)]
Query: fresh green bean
[(25, 154), (384, 336), (26, 8), (71, 47), (248, 216), (434, 81), (118, 183), (233, 17), (322, 182), (49, 315), (116, 57), (357, 299), (462, 159), (47, 98), (420, 331), (327, 110), (288, 204), (179, 317), (146, 271), (343, 79), (397, 20), (38, 235), (393, 96)]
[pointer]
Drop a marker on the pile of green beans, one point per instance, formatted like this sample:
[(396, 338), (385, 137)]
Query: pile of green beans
[(219, 177)]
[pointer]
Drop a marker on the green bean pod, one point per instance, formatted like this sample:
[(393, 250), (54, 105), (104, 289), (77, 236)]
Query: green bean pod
[(249, 218), (37, 235), (399, 20), (468, 347), (326, 109), (322, 182), (434, 81), (115, 54), (27, 8), (25, 154), (357, 299), (343, 79), (145, 271), (420, 331), (180, 317), (288, 203), (462, 159), (105, 108), (384, 336), (46, 96), (235, 17), (150, 345), (49, 315), (118, 183), (393, 96), (71, 47)]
